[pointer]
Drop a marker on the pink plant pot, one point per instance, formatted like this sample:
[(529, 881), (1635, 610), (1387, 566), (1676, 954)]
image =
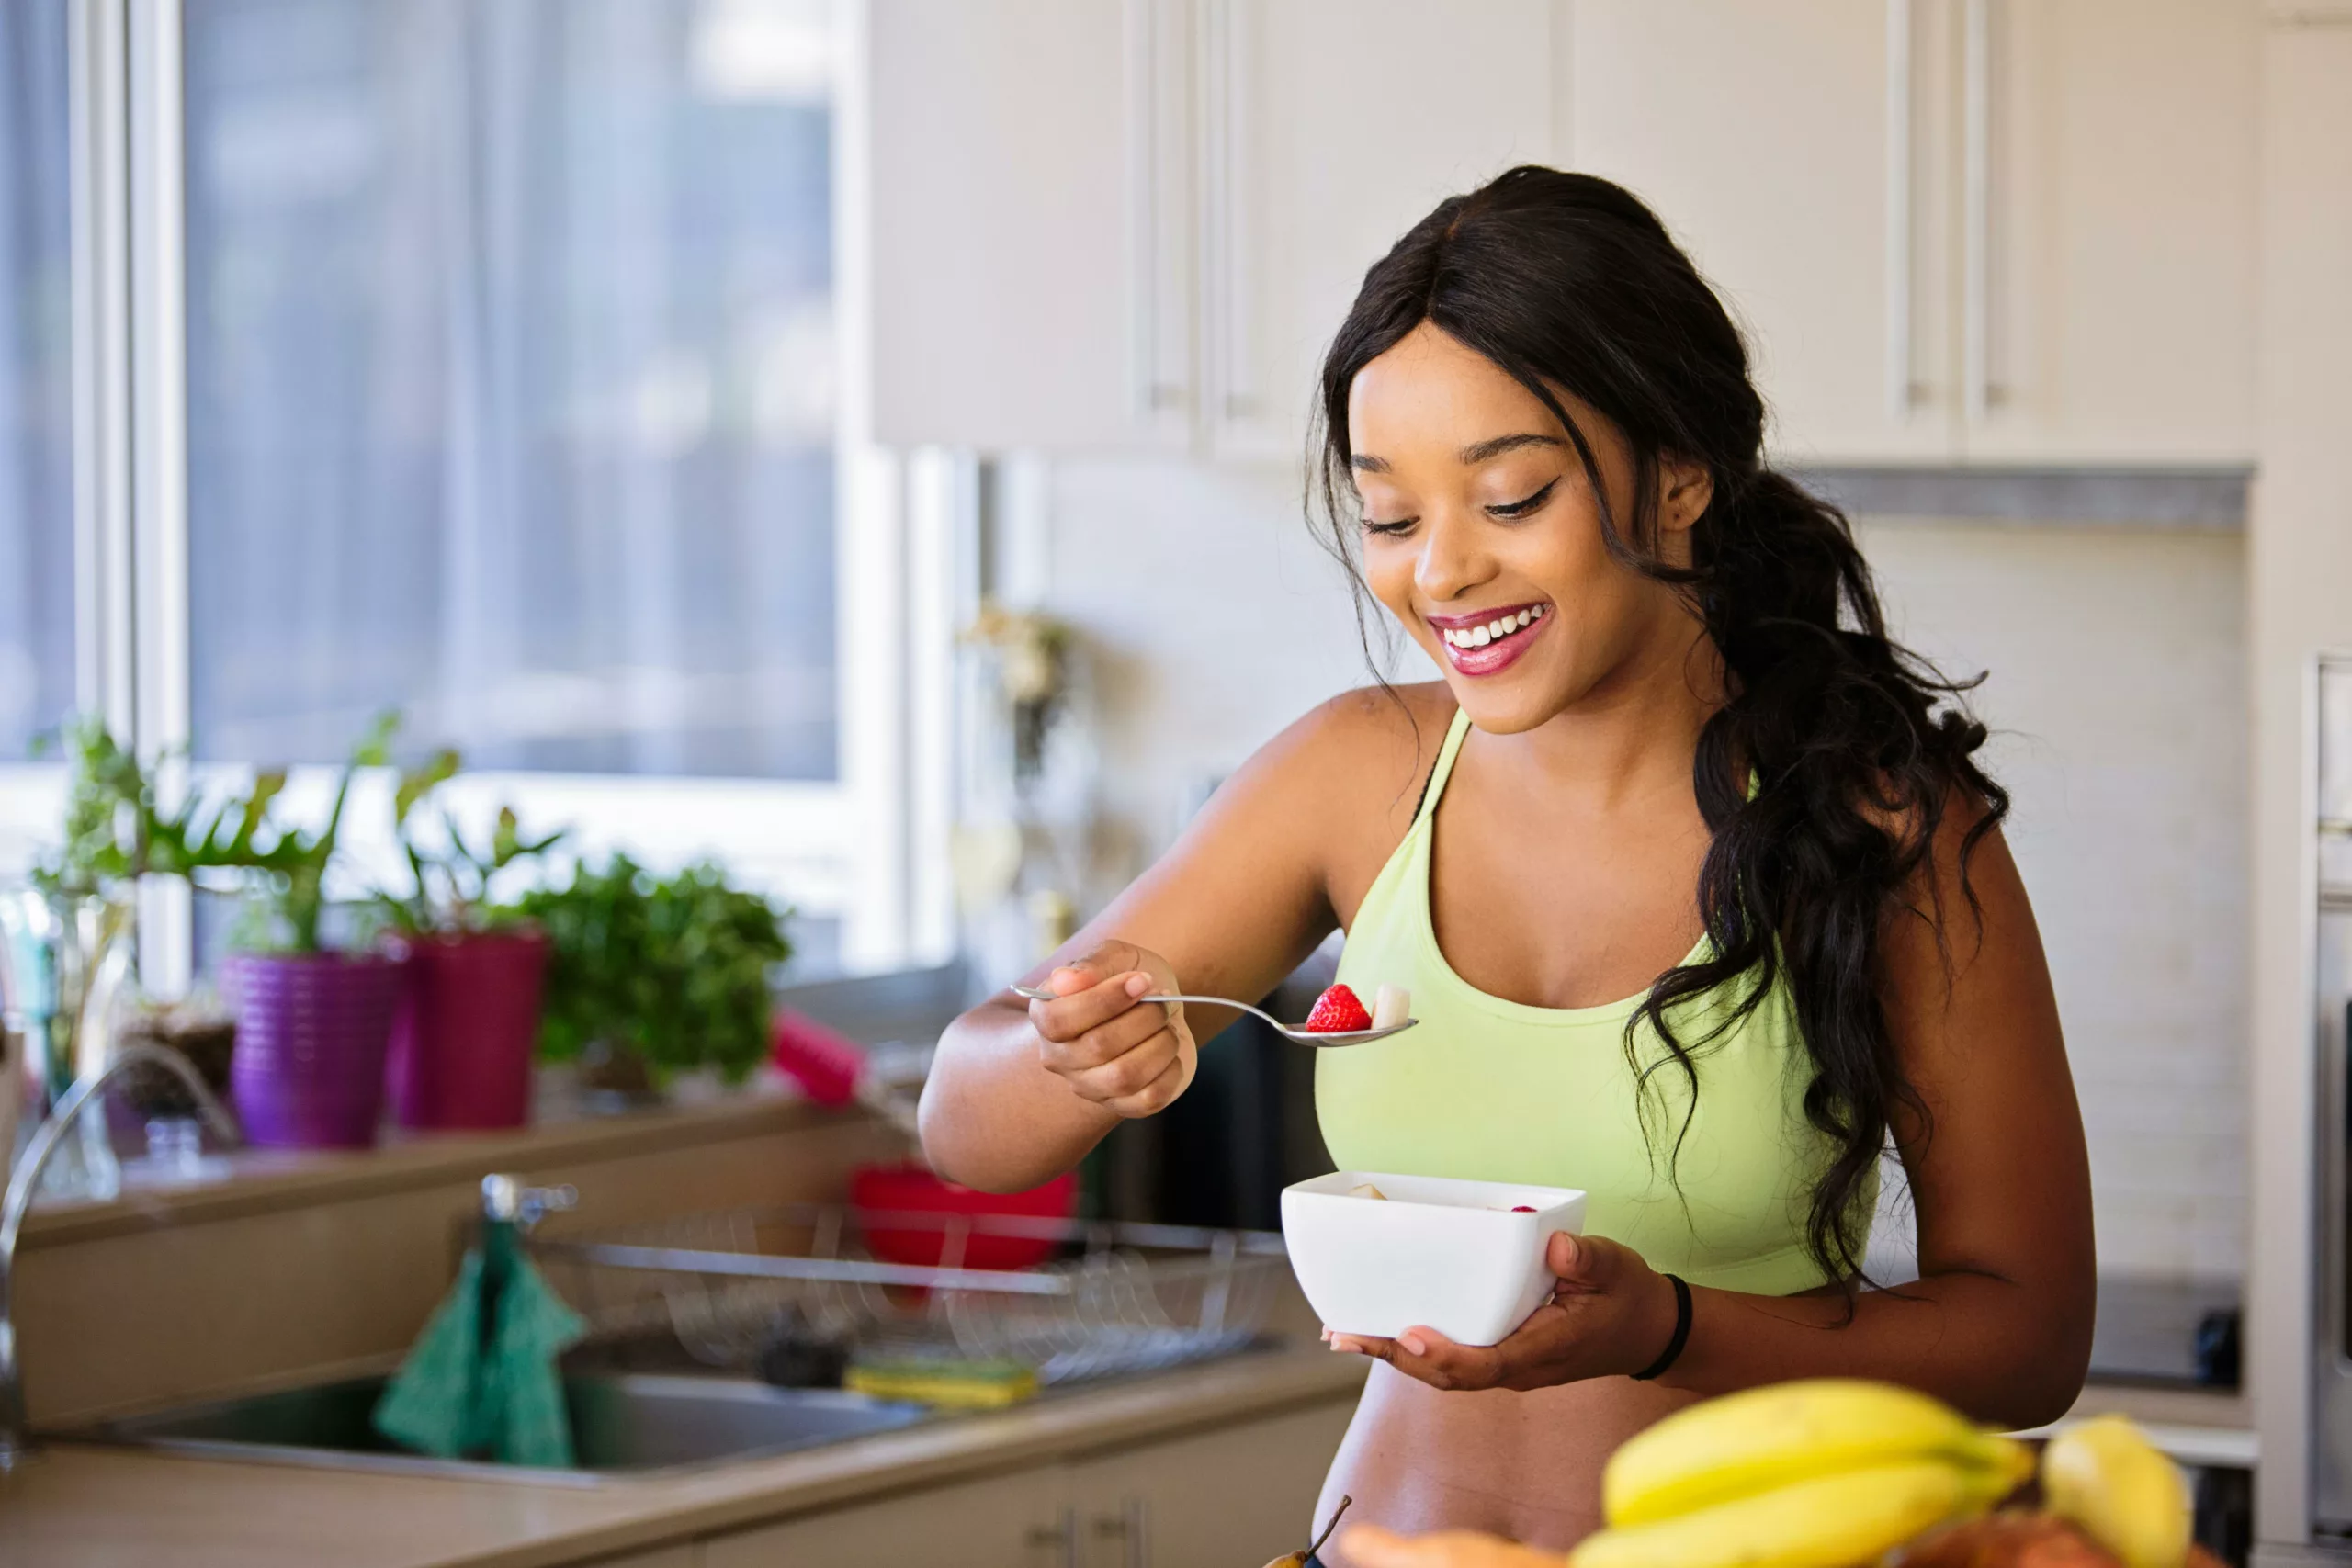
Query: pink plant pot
[(466, 1030)]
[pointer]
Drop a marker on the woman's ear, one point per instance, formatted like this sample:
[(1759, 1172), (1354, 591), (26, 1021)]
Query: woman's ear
[(1684, 490)]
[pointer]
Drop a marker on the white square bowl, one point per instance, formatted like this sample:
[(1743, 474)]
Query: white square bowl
[(1438, 1253)]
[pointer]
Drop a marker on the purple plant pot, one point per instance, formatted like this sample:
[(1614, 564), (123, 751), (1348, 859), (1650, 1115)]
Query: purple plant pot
[(467, 1025), (311, 1027)]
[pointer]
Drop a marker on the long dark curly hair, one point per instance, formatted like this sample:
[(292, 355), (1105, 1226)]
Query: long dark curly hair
[(1857, 749)]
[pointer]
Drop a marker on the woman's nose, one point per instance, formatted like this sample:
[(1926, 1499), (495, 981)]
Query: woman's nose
[(1451, 562)]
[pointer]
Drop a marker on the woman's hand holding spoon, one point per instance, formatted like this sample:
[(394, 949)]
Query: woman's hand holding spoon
[(1131, 1057)]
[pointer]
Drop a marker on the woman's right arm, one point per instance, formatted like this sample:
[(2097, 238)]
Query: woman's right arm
[(1020, 1093)]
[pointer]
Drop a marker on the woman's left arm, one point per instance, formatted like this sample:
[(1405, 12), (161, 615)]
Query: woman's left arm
[(1999, 1322)]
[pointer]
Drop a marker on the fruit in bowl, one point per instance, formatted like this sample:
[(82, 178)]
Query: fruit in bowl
[(1463, 1258)]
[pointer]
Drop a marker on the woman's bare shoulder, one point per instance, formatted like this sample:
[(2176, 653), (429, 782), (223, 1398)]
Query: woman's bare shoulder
[(1368, 746), (1347, 776)]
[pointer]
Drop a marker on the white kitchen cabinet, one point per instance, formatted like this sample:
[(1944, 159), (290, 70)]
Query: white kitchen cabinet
[(2002, 231), (1236, 1495), (1788, 147), (1331, 127), (2014, 231), (1098, 226), (1013, 1520), (1030, 231), (2115, 318)]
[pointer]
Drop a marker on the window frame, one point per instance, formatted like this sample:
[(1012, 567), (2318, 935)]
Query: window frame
[(865, 847)]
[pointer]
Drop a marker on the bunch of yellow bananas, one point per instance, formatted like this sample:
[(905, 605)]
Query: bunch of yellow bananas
[(1815, 1474)]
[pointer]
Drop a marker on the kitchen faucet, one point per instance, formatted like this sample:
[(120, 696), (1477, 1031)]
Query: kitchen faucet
[(16, 1442)]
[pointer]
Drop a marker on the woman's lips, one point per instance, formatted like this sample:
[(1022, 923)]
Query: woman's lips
[(1499, 653)]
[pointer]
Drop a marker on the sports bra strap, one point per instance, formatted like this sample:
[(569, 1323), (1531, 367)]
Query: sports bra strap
[(1454, 734)]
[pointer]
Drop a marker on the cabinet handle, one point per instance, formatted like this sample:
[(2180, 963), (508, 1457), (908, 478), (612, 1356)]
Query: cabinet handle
[(1131, 1528), (1226, 80), (1981, 393), (1154, 390), (1062, 1532), (1902, 391)]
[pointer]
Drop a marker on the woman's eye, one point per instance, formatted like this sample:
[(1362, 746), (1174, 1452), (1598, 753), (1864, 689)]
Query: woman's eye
[(1389, 530), (1521, 508)]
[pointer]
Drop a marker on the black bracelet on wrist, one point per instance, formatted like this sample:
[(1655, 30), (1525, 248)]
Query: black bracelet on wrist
[(1682, 1332)]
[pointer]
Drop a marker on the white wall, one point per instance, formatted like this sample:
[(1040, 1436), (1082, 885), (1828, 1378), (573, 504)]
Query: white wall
[(2117, 681), (2116, 693), (1214, 618)]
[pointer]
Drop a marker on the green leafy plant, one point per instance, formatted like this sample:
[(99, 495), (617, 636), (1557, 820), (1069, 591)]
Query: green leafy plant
[(673, 970), (285, 883), (450, 880), (116, 832)]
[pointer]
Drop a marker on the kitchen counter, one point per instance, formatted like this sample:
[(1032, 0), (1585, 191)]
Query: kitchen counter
[(95, 1507), (266, 1181)]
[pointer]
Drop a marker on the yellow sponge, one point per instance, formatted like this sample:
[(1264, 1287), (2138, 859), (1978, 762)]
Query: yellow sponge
[(958, 1386)]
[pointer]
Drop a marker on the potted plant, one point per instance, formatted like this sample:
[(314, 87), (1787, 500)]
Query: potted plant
[(469, 1016), (649, 976), (73, 932), (312, 1021)]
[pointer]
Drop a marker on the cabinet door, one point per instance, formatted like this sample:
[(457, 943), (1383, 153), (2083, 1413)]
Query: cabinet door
[(1793, 148), (1030, 240), (1007, 1521), (2111, 235), (1328, 127), (1237, 1495)]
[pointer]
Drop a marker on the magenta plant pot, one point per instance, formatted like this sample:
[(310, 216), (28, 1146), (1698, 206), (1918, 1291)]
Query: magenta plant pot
[(312, 1028), (466, 1030)]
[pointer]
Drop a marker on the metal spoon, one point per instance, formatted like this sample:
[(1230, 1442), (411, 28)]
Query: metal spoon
[(1300, 1036)]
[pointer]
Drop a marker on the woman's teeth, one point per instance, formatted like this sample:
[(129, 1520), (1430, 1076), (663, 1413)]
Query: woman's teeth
[(1500, 626)]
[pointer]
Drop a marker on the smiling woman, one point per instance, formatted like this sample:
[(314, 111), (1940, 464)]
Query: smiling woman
[(1699, 894)]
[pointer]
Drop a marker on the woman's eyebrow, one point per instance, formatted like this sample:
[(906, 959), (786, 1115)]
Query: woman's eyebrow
[(1495, 447)]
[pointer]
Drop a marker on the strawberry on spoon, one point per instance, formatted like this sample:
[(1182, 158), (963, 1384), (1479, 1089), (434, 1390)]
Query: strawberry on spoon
[(1337, 1011)]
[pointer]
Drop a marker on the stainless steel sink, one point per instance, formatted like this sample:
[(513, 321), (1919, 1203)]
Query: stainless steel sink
[(621, 1426)]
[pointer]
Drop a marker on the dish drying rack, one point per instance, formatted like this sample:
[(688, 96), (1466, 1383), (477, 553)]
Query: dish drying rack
[(1116, 1298)]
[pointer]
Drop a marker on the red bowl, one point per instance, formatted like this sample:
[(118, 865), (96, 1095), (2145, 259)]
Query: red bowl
[(876, 1191)]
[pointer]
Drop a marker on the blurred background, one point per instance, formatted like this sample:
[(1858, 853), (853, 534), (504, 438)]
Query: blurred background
[(862, 445)]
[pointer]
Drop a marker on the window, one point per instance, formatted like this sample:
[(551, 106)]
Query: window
[(479, 361), (510, 375), (36, 379)]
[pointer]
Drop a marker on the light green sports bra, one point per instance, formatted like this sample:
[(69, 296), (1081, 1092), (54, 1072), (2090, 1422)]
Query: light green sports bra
[(1496, 1091)]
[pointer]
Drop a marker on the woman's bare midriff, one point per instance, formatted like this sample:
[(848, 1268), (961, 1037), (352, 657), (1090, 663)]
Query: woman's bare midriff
[(1524, 1466)]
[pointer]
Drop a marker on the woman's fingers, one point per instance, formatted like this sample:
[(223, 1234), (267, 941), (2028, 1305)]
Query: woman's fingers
[(1156, 1095), (1130, 1056), (1071, 1014), (1431, 1357), (1132, 1074), (1106, 1043)]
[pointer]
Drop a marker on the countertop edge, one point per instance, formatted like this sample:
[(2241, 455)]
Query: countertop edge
[(625, 1516), (270, 1181), (962, 1450)]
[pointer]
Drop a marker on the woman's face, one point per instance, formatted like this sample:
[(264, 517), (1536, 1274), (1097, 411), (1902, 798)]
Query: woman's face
[(1483, 538)]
